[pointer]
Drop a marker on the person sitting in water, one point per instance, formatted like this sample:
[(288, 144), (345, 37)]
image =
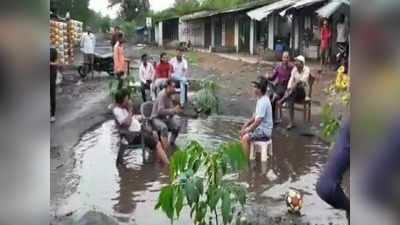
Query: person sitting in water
[(123, 115), (298, 87), (260, 125), (280, 77), (164, 116)]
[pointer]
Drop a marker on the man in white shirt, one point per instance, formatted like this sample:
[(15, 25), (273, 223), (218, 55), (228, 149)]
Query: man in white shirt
[(123, 115), (342, 31), (146, 76), (88, 43), (298, 87), (179, 72)]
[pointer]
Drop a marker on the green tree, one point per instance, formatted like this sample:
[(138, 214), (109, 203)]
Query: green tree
[(132, 9), (105, 24)]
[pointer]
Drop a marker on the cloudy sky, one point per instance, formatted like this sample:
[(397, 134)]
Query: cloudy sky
[(101, 6)]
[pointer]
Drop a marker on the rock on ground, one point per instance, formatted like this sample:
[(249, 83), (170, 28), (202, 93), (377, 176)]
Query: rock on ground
[(96, 218)]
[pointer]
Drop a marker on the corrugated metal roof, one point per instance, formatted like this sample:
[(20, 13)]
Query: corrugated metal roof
[(242, 7), (197, 15), (327, 10), (263, 12), (301, 4)]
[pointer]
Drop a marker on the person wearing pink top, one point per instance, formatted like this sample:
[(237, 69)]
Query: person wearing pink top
[(119, 58), (326, 35)]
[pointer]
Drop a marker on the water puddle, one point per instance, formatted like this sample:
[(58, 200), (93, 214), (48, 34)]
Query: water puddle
[(129, 193)]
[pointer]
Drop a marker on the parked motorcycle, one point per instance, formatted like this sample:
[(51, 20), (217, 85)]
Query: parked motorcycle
[(104, 62), (342, 54)]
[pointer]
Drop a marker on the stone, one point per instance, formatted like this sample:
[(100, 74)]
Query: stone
[(98, 218)]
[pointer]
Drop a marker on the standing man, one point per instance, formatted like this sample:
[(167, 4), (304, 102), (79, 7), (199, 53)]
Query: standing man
[(298, 87), (88, 43), (146, 76), (164, 116), (259, 127), (280, 77), (119, 59), (114, 38), (179, 72), (53, 78), (342, 31), (326, 35)]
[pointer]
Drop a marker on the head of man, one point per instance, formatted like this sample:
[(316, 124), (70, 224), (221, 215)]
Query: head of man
[(325, 22), (285, 57), (121, 97), (163, 57), (89, 29), (144, 59), (342, 18), (120, 38), (170, 87), (260, 87), (299, 62), (179, 54)]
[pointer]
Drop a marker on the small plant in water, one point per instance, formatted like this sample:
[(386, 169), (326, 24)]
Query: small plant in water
[(127, 84), (331, 123), (202, 180), (206, 99)]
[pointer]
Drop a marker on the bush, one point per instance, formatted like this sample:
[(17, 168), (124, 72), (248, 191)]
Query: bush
[(206, 99), (202, 179)]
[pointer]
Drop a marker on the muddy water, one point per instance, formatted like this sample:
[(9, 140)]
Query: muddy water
[(129, 193)]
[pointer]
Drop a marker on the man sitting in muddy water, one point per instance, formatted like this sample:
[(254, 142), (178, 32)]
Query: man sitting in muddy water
[(164, 116), (123, 114), (259, 127), (280, 77)]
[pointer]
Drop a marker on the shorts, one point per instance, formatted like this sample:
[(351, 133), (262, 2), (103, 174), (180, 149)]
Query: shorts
[(259, 135), (88, 59), (164, 126)]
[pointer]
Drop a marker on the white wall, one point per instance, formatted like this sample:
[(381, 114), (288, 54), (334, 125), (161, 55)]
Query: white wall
[(160, 34)]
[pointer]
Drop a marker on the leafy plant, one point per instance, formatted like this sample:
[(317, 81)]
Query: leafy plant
[(201, 180), (331, 123), (127, 84), (206, 99)]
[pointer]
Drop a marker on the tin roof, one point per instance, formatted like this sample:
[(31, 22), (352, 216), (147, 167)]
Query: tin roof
[(241, 7), (263, 12), (327, 10), (301, 4)]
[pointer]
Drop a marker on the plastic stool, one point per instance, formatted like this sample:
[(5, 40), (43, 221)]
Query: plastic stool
[(264, 147)]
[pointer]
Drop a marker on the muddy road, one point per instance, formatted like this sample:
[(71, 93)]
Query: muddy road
[(84, 177)]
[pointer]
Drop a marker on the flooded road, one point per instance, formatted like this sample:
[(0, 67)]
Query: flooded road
[(129, 193)]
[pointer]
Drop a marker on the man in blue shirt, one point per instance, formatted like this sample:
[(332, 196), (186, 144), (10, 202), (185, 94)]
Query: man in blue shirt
[(259, 127)]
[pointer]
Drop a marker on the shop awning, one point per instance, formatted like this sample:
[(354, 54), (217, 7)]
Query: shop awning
[(263, 12), (327, 10), (301, 4)]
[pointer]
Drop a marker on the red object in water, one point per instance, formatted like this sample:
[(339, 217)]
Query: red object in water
[(295, 201)]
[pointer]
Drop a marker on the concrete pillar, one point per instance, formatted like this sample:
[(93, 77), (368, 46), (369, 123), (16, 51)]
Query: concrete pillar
[(212, 32), (237, 34), (296, 34), (160, 34), (271, 32), (223, 32), (252, 31)]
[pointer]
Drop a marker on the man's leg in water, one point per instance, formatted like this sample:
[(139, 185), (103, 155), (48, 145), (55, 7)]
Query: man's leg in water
[(329, 185), (161, 127)]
